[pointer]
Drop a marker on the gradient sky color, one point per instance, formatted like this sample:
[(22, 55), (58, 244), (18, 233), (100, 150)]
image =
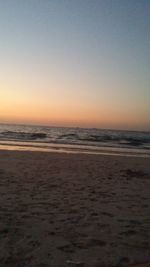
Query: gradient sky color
[(75, 63)]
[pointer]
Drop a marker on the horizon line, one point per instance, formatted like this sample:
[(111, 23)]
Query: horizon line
[(78, 127)]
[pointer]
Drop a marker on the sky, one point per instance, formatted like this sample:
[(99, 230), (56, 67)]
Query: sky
[(75, 63)]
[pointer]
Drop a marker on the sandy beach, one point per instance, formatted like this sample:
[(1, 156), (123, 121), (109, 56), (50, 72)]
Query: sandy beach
[(66, 210)]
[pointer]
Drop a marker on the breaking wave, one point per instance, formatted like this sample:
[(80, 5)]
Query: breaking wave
[(22, 135)]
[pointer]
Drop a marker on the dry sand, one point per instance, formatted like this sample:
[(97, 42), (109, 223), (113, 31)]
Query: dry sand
[(91, 209)]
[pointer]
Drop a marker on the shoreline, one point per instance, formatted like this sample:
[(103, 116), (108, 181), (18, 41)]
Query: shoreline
[(76, 149), (86, 208)]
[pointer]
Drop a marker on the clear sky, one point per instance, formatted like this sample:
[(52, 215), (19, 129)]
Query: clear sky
[(75, 63)]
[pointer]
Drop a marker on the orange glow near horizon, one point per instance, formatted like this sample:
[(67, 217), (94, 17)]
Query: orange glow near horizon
[(59, 115)]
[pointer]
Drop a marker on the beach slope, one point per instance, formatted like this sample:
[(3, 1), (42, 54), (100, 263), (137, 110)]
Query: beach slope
[(89, 209)]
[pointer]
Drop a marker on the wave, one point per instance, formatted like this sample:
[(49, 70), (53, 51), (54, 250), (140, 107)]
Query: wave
[(86, 137), (124, 140), (69, 136), (22, 135)]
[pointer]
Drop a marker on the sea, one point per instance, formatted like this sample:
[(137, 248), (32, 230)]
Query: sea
[(74, 140)]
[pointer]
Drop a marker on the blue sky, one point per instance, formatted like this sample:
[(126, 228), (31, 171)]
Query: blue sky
[(74, 62)]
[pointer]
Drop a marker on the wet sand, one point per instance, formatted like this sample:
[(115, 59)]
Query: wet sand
[(66, 210)]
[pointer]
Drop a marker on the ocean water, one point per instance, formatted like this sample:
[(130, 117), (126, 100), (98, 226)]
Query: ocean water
[(74, 140)]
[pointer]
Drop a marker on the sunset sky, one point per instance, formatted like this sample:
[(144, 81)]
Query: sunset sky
[(75, 63)]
